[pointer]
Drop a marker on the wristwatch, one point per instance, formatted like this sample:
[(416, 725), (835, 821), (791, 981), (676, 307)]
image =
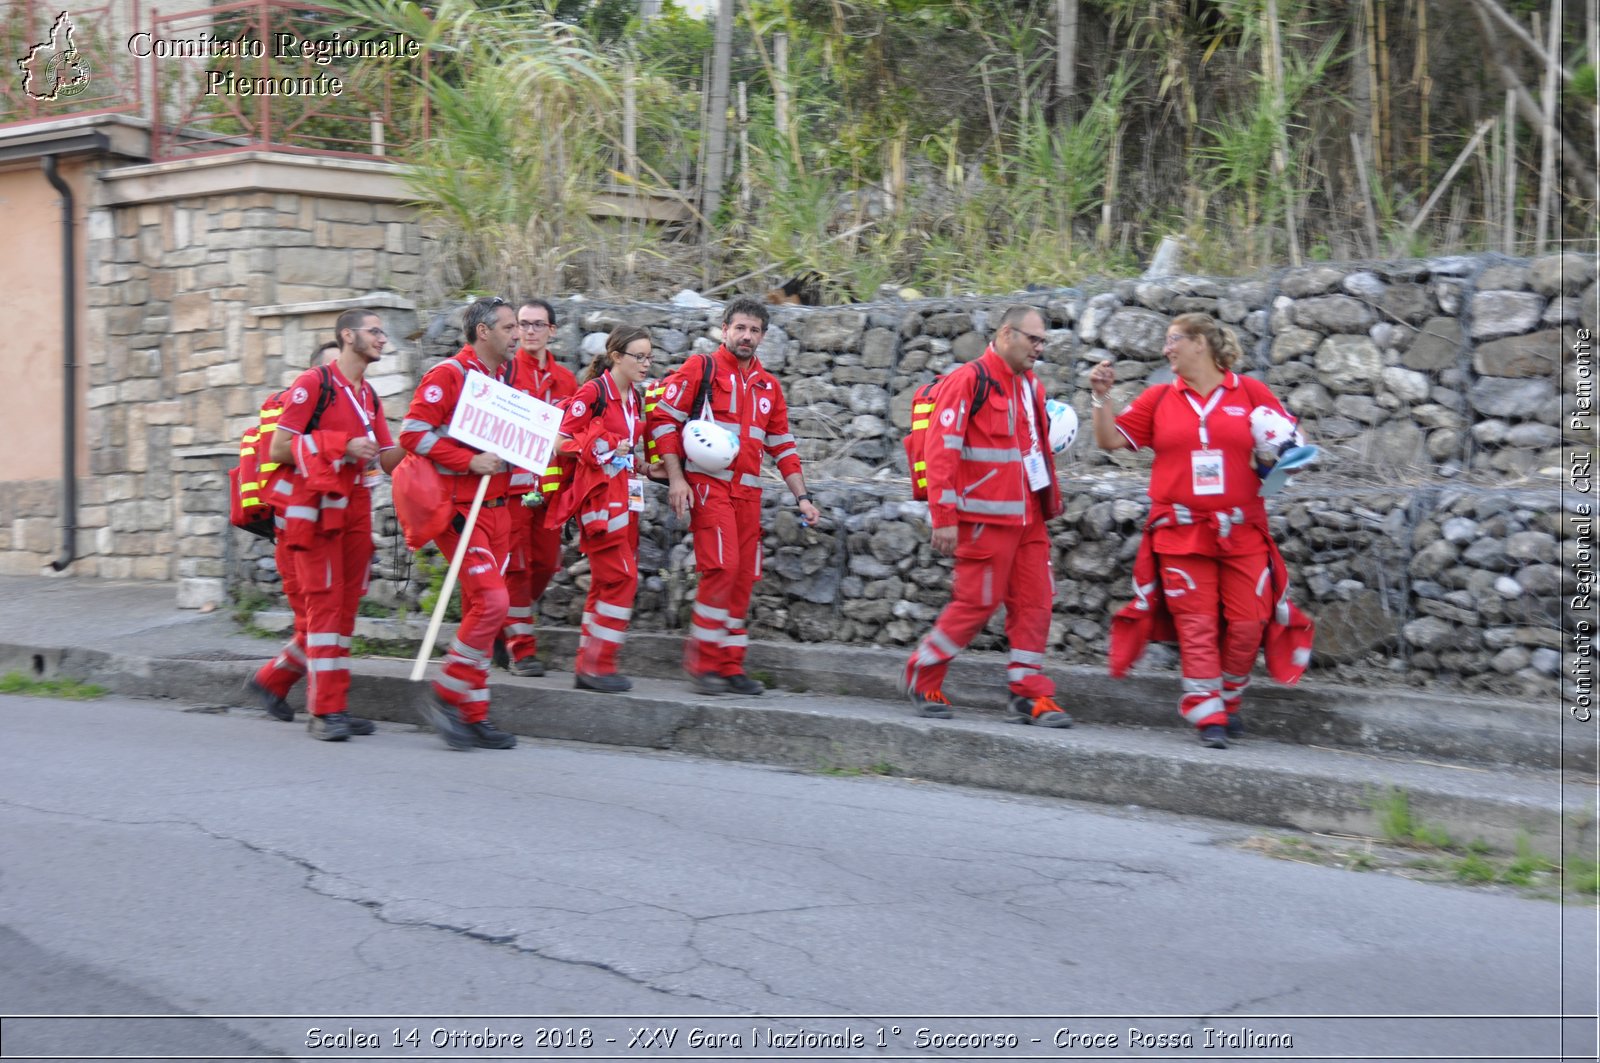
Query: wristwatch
[(801, 498)]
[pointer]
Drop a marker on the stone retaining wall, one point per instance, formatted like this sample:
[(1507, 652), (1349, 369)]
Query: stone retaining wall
[(1429, 544)]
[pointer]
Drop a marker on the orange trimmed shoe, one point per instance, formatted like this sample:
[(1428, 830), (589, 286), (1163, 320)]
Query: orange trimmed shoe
[(1042, 712), (933, 704)]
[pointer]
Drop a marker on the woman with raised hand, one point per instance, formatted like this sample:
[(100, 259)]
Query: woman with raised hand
[(604, 424), (1208, 574)]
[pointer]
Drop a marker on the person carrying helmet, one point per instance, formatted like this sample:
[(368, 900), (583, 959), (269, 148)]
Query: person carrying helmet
[(1207, 574), (715, 482), (991, 488), (602, 428)]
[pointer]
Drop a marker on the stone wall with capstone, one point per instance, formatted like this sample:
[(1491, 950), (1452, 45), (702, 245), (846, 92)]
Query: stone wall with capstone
[(1429, 543)]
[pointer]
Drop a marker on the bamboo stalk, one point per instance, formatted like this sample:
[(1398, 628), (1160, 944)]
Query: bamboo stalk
[(1489, 7), (1383, 79), (1366, 191), (1547, 164), (744, 150), (1280, 148), (1424, 90), (630, 123), (1375, 139), (1509, 203), (1449, 175)]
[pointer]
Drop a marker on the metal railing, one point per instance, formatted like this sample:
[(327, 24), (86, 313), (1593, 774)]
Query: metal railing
[(61, 62), (250, 75)]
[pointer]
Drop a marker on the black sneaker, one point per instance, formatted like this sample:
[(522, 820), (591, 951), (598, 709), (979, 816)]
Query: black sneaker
[(444, 719), (486, 735), (529, 667), (360, 725), (333, 727), (604, 684), (933, 704), (275, 706), (1041, 712), (1214, 737), (1235, 725), (710, 683), (739, 683)]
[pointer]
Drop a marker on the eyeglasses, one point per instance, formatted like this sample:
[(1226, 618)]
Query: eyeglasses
[(535, 325), (1174, 337), (374, 330), (496, 301), (1037, 341), (645, 358)]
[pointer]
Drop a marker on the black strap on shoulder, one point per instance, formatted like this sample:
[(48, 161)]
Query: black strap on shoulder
[(986, 385), (704, 394), (324, 397)]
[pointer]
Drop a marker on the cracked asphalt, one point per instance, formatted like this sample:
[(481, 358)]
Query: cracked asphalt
[(157, 861)]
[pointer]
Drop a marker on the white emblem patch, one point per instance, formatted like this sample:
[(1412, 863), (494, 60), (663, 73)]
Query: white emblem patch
[(433, 393), (947, 418), (578, 407), (765, 406), (298, 396), (672, 392)]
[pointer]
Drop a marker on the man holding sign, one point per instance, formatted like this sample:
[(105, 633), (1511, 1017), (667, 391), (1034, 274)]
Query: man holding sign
[(458, 703)]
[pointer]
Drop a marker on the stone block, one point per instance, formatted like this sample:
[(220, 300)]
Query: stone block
[(1349, 364), (312, 265), (1537, 354), (225, 375), (348, 235), (1504, 313), (191, 312)]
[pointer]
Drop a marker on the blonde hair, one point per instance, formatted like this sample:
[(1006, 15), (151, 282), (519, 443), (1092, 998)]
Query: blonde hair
[(1224, 345), (616, 343)]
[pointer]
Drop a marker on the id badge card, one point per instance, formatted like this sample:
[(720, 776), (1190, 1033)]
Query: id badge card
[(1206, 468), (371, 476), (1038, 472), (635, 494)]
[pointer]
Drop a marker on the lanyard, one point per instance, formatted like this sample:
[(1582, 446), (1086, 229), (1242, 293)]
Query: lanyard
[(630, 407), (1202, 411), (1027, 410), (361, 411)]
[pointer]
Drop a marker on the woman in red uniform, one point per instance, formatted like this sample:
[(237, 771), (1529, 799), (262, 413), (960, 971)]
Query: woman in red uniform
[(603, 424), (1221, 580)]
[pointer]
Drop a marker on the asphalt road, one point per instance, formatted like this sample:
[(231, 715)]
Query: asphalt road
[(168, 863)]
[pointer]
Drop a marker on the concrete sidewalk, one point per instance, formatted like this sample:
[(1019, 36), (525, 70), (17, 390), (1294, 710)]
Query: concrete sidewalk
[(1316, 758)]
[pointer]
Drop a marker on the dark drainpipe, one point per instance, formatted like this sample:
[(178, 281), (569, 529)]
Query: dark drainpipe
[(69, 372)]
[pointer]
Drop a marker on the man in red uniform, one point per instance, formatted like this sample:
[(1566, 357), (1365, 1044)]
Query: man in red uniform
[(325, 505), (270, 686), (724, 506), (535, 550), (991, 487), (457, 705)]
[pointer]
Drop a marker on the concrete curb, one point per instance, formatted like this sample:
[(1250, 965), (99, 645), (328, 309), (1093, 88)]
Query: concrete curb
[(1258, 781)]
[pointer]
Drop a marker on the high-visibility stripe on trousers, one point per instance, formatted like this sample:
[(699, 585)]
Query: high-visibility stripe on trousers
[(533, 556), (280, 674), (332, 573), (1219, 606), (613, 583), (996, 564), (727, 553), (464, 681)]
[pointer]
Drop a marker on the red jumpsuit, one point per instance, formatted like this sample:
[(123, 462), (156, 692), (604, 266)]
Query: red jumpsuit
[(464, 681), (1210, 533), (977, 480), (535, 550), (324, 509), (725, 514), (608, 526)]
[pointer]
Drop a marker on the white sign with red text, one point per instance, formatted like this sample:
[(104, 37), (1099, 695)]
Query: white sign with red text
[(505, 422)]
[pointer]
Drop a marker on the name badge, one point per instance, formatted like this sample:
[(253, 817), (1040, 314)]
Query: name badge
[(1038, 472), (635, 494), (371, 476), (1206, 467)]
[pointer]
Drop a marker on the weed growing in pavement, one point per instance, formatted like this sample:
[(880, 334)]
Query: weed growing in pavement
[(247, 602), (67, 689), (882, 768), (1401, 826)]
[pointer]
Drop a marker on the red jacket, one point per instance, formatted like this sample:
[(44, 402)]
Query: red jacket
[(1144, 620), (746, 401), (599, 492), (551, 384), (312, 497), (974, 459), (426, 428)]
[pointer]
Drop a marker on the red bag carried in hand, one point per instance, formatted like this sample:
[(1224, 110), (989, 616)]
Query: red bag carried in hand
[(421, 501)]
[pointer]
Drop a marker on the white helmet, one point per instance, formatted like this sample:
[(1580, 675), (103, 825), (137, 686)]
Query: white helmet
[(1063, 424), (709, 445), (1271, 430)]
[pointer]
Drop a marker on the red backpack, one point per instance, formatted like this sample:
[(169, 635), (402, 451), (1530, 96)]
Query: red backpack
[(923, 401), (249, 481)]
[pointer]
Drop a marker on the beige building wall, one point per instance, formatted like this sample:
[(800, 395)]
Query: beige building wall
[(30, 306)]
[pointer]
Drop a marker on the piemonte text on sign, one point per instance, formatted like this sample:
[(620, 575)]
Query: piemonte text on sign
[(505, 422)]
